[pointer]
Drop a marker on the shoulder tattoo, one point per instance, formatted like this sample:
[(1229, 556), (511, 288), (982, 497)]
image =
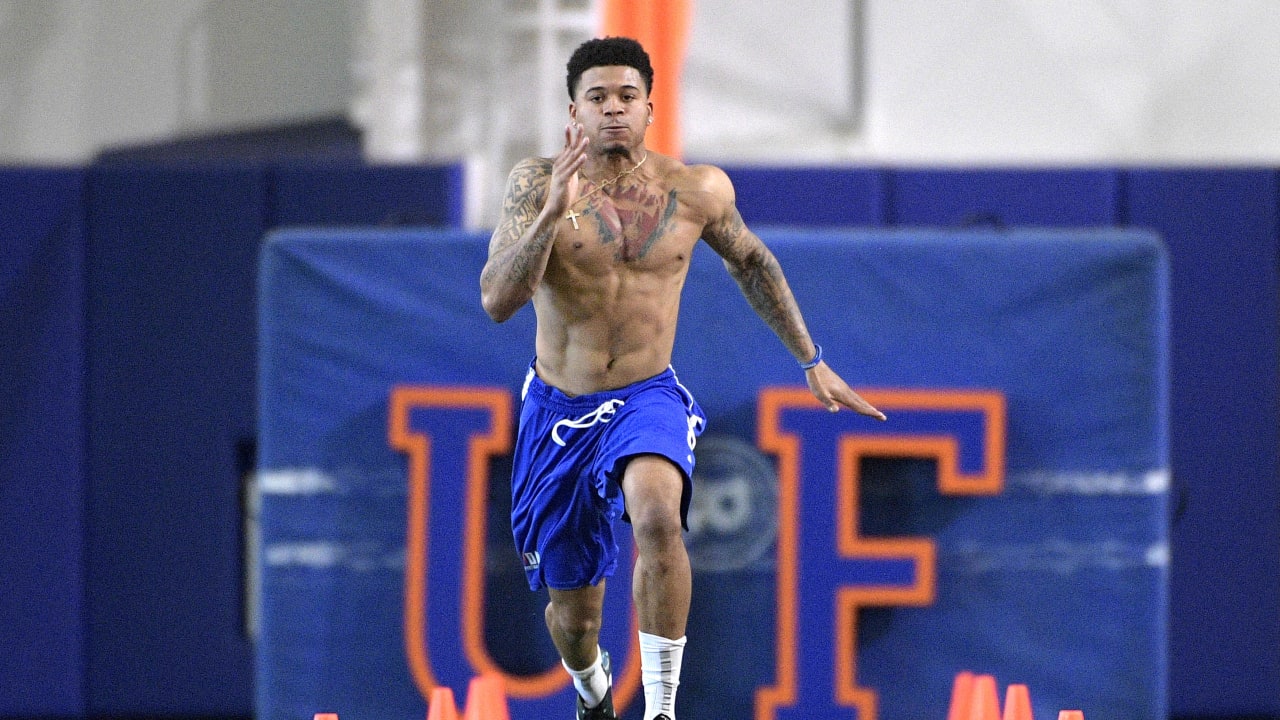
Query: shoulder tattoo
[(526, 194)]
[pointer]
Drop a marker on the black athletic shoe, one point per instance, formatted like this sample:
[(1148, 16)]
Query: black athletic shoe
[(603, 711)]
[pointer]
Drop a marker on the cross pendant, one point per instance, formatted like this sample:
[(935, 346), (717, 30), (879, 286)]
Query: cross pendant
[(573, 216)]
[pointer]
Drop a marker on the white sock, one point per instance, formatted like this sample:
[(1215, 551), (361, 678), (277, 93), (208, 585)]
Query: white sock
[(660, 667), (591, 683)]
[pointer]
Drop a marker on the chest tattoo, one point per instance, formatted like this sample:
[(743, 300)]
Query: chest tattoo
[(636, 219)]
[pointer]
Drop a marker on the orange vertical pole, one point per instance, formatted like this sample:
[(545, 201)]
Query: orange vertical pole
[(662, 27), (626, 18)]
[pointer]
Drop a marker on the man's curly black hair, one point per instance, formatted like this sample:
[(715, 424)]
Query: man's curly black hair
[(609, 51)]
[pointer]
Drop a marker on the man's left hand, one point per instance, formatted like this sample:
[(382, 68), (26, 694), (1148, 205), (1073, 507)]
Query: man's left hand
[(833, 392)]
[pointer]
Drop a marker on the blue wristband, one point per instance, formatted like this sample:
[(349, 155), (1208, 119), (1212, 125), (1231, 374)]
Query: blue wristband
[(817, 358)]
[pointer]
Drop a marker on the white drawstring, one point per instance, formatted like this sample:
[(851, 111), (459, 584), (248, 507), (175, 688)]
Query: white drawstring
[(602, 414)]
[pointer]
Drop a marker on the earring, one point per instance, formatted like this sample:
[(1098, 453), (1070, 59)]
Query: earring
[(649, 121)]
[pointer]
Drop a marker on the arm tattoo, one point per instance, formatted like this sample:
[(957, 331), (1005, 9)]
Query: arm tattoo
[(526, 193), (765, 287), (730, 227), (760, 278), (510, 261)]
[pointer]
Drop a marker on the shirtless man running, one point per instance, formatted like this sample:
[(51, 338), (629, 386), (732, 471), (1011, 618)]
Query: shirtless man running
[(600, 239)]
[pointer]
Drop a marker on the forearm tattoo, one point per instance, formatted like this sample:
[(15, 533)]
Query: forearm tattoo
[(766, 289), (761, 280)]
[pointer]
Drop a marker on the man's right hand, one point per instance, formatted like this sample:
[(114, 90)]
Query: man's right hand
[(563, 189)]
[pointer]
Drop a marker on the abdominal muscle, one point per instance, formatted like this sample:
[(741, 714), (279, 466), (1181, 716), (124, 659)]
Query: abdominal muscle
[(603, 339)]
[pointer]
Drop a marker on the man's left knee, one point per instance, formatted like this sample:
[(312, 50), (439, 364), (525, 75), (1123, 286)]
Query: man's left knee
[(653, 489)]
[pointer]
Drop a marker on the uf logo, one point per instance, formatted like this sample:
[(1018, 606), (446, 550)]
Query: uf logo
[(823, 563), (824, 567)]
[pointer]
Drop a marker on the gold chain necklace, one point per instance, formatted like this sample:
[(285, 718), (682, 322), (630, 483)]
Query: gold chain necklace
[(573, 216)]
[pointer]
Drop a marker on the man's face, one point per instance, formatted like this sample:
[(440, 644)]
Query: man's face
[(613, 107)]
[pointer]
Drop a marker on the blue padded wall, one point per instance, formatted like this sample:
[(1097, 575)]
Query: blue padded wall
[(998, 197), (1222, 229), (171, 339), (333, 194), (810, 197), (42, 446)]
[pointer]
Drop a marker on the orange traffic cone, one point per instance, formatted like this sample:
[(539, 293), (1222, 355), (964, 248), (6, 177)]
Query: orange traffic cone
[(442, 706), (984, 704), (487, 699), (1017, 703), (1071, 715), (961, 691)]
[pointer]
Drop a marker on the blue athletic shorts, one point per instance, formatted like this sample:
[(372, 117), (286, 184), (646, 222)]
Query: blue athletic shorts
[(567, 470)]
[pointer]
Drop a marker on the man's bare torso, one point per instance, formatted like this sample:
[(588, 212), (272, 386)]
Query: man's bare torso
[(608, 302)]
